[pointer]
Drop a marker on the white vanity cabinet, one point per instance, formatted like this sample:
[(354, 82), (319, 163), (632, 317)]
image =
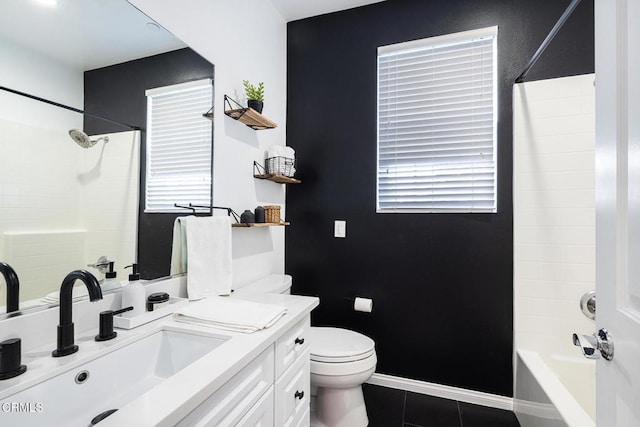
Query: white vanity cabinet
[(231, 402), (292, 386), (293, 395), (261, 414), (272, 390)]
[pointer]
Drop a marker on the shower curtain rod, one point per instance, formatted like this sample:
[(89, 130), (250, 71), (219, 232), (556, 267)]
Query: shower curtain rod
[(567, 13), (66, 107)]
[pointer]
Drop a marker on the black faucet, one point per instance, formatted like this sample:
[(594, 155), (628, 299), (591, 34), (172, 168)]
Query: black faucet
[(106, 331), (65, 328), (10, 359), (13, 286)]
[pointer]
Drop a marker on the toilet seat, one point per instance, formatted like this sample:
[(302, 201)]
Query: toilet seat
[(345, 368), (336, 345), (273, 284)]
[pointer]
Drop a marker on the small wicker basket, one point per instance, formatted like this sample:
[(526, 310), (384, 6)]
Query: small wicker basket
[(272, 214)]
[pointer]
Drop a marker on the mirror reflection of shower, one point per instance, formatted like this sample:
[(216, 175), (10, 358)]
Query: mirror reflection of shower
[(83, 140)]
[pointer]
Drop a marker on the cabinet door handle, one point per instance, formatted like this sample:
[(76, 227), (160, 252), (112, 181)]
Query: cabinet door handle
[(299, 395), (299, 341)]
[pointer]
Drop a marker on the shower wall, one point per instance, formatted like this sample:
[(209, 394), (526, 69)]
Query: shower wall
[(109, 177), (554, 212), (63, 206), (41, 231)]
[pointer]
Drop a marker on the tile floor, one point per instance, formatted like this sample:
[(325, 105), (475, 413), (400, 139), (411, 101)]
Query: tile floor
[(387, 407)]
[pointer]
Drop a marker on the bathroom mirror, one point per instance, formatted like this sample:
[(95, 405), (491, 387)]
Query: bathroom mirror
[(63, 206)]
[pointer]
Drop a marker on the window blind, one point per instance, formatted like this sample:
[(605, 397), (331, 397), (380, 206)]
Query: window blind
[(178, 146), (437, 124)]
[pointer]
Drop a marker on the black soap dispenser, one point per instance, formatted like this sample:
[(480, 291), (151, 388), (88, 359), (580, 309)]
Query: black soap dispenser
[(110, 281)]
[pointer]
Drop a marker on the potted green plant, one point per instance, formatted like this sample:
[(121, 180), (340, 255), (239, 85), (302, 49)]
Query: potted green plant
[(255, 95)]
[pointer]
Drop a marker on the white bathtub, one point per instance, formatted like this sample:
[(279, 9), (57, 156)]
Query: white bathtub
[(554, 391)]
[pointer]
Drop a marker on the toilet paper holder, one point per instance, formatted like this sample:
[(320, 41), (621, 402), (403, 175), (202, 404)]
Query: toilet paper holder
[(360, 304)]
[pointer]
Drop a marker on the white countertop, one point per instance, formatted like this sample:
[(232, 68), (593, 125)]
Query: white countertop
[(171, 400)]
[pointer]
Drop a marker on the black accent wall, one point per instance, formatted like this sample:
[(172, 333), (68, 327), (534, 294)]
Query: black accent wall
[(442, 284), (118, 92)]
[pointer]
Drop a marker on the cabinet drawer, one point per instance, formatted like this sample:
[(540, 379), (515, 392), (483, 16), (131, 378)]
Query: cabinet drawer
[(232, 401), (291, 345), (261, 415), (293, 393), (305, 419)]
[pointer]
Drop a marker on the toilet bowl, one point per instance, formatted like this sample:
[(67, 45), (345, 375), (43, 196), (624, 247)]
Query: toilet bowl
[(341, 361)]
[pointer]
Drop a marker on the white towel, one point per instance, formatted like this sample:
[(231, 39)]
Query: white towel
[(208, 256), (289, 152), (179, 247), (231, 314), (275, 151), (281, 151)]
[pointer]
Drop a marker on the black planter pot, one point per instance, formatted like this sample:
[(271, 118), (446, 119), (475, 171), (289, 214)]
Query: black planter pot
[(255, 104)]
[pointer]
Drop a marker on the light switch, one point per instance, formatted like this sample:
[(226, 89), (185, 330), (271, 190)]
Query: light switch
[(340, 229)]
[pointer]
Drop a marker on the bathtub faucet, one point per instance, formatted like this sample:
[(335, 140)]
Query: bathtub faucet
[(593, 346)]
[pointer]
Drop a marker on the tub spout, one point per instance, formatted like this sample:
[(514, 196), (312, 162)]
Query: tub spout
[(588, 345), (596, 345)]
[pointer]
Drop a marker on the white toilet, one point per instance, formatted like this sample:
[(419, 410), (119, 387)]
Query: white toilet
[(341, 361)]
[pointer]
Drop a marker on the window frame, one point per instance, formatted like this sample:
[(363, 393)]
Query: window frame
[(422, 44), (208, 83)]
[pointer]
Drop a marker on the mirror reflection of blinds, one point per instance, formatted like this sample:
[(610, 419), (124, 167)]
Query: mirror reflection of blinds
[(437, 124), (178, 146)]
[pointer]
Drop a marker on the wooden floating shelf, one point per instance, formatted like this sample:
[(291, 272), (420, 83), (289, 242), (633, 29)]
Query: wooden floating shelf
[(261, 224), (281, 179), (248, 116), (251, 118)]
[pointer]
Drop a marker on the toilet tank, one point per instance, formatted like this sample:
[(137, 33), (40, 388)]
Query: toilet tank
[(274, 283)]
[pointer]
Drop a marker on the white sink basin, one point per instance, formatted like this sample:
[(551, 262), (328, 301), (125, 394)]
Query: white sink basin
[(108, 382)]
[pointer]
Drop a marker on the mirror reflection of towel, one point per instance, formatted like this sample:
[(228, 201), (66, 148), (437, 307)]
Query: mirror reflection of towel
[(179, 248), (202, 249)]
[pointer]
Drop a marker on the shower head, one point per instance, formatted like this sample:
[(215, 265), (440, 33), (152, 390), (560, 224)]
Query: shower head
[(83, 140)]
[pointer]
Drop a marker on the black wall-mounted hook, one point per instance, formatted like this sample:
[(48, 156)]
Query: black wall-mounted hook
[(193, 208)]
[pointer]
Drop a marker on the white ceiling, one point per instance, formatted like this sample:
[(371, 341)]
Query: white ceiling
[(292, 10), (75, 30)]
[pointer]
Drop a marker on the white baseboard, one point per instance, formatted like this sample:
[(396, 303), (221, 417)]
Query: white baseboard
[(444, 391)]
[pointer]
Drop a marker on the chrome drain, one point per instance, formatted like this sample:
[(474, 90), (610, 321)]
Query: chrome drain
[(82, 377)]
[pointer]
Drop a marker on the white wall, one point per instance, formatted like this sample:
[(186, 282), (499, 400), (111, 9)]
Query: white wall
[(554, 211), (57, 200), (109, 179), (29, 72), (38, 198), (244, 40), (63, 206), (40, 206)]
